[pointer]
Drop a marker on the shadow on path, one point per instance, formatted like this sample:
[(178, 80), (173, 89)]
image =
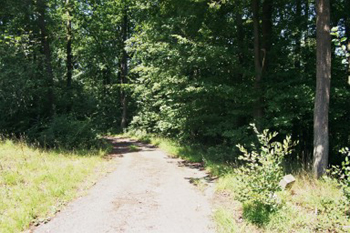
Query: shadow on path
[(122, 146)]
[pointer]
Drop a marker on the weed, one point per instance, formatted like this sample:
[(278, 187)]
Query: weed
[(134, 148), (257, 212), (342, 173)]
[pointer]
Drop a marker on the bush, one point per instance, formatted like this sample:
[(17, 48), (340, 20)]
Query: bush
[(342, 173), (222, 154), (258, 178), (65, 132)]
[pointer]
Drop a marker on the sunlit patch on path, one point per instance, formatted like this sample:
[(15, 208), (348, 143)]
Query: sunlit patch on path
[(146, 193)]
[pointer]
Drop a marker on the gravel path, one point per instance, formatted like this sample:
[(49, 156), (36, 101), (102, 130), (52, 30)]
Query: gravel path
[(148, 192)]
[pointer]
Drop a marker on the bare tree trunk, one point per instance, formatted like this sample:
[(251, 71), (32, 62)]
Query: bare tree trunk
[(41, 7), (306, 20), (240, 40), (124, 71), (323, 78), (347, 33), (298, 36), (241, 120), (258, 111), (69, 63), (266, 32)]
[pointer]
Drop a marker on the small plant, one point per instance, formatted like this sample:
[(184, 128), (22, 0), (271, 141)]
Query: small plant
[(258, 178), (133, 148), (342, 173)]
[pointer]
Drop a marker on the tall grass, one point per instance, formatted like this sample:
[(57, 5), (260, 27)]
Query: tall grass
[(34, 184)]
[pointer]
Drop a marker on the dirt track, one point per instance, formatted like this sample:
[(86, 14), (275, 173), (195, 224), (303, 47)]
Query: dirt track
[(148, 192)]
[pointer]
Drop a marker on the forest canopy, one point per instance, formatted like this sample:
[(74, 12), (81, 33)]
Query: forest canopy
[(198, 71)]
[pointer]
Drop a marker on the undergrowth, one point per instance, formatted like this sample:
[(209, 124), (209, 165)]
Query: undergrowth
[(64, 132), (34, 183), (310, 206)]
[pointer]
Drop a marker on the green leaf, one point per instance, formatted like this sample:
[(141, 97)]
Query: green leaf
[(334, 29)]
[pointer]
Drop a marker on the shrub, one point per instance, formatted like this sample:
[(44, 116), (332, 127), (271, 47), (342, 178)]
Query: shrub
[(258, 178), (342, 173), (65, 132)]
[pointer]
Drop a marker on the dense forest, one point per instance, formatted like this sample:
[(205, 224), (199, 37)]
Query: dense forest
[(198, 71), (252, 94)]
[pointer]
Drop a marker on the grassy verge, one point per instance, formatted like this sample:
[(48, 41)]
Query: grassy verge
[(34, 184), (310, 206)]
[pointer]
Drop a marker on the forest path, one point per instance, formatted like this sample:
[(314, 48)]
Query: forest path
[(147, 192)]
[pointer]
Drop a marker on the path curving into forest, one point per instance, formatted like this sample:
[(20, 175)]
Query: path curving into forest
[(147, 192)]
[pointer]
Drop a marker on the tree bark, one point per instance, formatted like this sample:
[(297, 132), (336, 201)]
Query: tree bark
[(41, 7), (258, 111), (266, 32), (298, 21), (240, 40), (241, 119), (323, 78), (124, 71), (347, 33), (69, 63)]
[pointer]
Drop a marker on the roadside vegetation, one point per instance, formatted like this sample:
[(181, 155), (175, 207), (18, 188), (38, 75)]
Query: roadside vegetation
[(35, 184), (309, 206), (195, 71)]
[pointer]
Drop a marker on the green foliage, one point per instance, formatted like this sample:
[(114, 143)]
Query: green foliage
[(191, 76), (256, 212), (332, 214), (191, 70), (65, 132), (310, 206), (340, 42), (259, 176), (342, 173), (133, 148)]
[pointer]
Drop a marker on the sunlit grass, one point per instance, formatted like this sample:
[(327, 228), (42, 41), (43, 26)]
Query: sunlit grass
[(34, 184), (310, 206)]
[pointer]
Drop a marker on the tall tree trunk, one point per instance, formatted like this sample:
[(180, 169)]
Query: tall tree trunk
[(258, 111), (240, 40), (266, 32), (124, 70), (241, 119), (69, 63), (306, 20), (347, 33), (306, 37), (298, 36), (323, 78), (41, 7)]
